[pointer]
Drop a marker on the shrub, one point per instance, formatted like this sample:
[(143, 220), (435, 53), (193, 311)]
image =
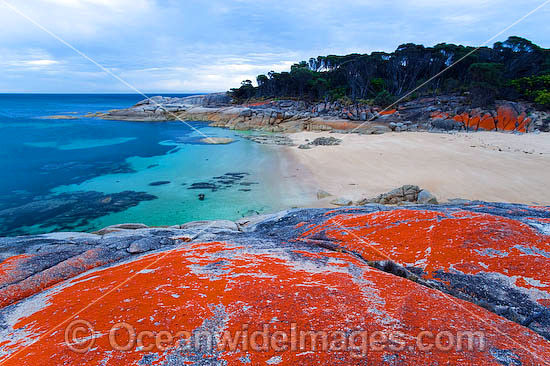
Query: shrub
[(543, 98)]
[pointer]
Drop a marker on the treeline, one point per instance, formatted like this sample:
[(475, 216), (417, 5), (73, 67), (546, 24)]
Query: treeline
[(513, 69)]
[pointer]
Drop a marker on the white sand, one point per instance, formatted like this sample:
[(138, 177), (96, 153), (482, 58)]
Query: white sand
[(488, 166)]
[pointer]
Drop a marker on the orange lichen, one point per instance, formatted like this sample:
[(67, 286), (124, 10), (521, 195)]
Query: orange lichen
[(507, 119), (339, 125), (10, 269), (468, 122), (464, 241), (31, 285), (177, 290), (487, 122), (388, 112), (439, 115)]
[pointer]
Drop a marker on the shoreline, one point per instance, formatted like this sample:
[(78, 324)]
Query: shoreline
[(442, 113), (484, 166)]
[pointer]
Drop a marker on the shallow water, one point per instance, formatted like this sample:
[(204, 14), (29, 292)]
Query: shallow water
[(87, 173)]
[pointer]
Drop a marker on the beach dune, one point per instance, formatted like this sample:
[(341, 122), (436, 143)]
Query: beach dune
[(488, 166)]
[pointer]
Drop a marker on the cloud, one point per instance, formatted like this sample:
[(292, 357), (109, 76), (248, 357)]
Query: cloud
[(41, 62), (193, 45), (202, 78)]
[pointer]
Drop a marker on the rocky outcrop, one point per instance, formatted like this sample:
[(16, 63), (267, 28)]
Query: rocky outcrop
[(406, 194), (220, 292), (325, 141), (442, 113), (265, 139), (160, 108)]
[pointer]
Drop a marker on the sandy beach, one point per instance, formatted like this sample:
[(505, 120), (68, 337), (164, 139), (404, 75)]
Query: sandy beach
[(488, 166)]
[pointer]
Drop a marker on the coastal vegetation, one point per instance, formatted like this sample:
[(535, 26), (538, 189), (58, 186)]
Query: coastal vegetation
[(516, 69)]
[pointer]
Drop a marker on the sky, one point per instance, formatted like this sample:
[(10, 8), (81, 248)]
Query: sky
[(188, 46)]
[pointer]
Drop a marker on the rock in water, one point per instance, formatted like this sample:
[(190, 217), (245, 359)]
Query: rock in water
[(475, 270), (159, 183), (271, 140), (217, 140)]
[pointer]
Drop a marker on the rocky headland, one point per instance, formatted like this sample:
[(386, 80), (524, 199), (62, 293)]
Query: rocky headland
[(441, 113), (398, 272)]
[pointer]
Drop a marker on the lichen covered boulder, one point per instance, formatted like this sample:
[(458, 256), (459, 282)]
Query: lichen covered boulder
[(310, 287)]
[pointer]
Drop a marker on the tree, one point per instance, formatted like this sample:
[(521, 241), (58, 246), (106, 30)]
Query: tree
[(485, 81), (488, 73), (263, 84), (384, 99)]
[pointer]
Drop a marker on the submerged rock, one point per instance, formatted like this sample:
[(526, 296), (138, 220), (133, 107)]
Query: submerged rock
[(217, 140), (203, 185), (271, 140), (62, 116), (159, 183), (67, 211)]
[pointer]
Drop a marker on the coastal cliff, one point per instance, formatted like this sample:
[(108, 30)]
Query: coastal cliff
[(392, 272), (442, 113)]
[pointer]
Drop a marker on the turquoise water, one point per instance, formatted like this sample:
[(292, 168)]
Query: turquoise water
[(84, 174)]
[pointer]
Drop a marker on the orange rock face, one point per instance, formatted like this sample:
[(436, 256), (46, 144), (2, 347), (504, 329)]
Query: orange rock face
[(465, 241), (505, 119), (299, 289), (15, 284), (388, 112)]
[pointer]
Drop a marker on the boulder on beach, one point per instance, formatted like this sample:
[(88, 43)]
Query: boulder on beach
[(341, 202), (326, 141), (424, 196), (322, 194), (407, 194)]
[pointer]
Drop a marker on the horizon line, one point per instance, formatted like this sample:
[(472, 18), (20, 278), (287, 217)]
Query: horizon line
[(121, 93)]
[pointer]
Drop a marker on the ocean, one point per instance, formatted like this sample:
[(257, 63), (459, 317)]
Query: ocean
[(84, 174)]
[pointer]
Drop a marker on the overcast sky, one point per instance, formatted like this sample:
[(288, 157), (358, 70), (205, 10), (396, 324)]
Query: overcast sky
[(212, 45)]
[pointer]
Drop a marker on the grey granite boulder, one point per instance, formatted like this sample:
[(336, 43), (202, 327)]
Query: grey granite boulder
[(406, 193), (426, 197), (341, 202)]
